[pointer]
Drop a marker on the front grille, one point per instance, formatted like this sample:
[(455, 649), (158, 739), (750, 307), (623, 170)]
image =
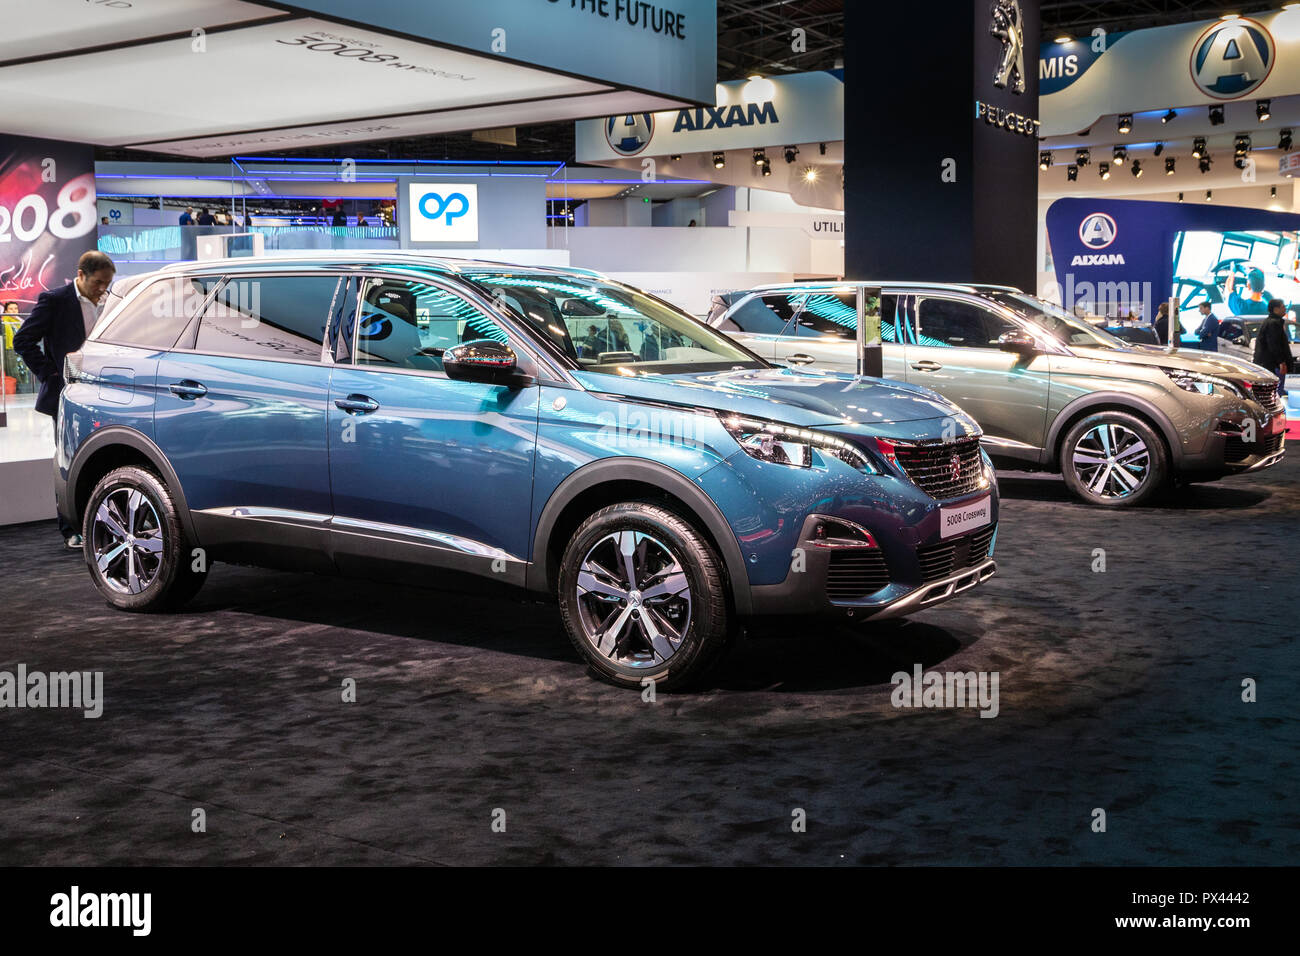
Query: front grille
[(855, 573), (1266, 395), (931, 466), (947, 557), (1235, 450)]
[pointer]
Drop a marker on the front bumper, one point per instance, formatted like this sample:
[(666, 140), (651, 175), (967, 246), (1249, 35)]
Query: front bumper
[(1226, 450)]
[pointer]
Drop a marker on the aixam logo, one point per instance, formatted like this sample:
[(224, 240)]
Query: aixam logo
[(1097, 231), (1232, 58), (1008, 26), (628, 135)]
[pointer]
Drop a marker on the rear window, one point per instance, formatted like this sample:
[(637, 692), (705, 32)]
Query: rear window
[(155, 318)]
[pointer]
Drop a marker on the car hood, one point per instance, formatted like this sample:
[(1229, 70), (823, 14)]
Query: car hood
[(790, 396), (1186, 360)]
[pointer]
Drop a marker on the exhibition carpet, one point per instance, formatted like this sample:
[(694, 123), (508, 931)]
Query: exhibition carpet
[(1121, 641)]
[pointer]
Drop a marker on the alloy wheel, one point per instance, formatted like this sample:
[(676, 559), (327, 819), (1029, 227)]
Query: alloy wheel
[(127, 541), (1111, 461), (633, 599)]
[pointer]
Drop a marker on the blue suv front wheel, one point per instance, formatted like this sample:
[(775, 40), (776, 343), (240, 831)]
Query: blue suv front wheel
[(644, 597)]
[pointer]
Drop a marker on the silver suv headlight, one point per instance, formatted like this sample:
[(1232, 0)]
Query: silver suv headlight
[(789, 445), (1204, 384)]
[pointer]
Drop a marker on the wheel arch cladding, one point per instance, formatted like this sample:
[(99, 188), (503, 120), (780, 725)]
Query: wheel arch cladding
[(1114, 402), (611, 480)]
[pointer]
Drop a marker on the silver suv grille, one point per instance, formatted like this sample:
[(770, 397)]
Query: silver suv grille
[(943, 469), (1266, 395)]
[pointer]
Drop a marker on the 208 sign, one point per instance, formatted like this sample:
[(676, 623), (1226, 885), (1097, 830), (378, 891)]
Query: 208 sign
[(73, 215)]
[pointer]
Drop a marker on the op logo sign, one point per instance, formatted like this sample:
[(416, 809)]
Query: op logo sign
[(443, 212), (1232, 58), (1097, 231), (628, 135)]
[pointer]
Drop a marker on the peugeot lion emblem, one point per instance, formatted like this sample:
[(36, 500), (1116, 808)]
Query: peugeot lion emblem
[(956, 467), (1008, 27)]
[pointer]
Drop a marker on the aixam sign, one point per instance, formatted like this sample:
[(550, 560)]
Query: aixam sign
[(1097, 231), (443, 212), (1232, 58)]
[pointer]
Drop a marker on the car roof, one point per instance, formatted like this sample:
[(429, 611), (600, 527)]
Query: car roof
[(883, 283)]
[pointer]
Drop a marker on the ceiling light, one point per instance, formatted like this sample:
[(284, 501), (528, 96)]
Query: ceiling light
[(1103, 170), (1204, 163), (810, 174), (1081, 157), (758, 89), (1044, 160), (790, 153), (1136, 169), (1071, 172), (1216, 115), (1160, 148), (1209, 194), (1119, 154), (1284, 140), (1063, 38), (822, 148), (1180, 197), (1171, 115), (767, 168), (1198, 147), (1126, 123), (1272, 192), (1262, 111), (760, 157), (719, 159), (1169, 165)]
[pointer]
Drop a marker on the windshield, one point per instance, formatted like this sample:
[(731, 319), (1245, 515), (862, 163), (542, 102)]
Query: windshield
[(605, 326), (1060, 324)]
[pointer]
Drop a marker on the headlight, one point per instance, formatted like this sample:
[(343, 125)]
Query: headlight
[(788, 445), (1204, 384)]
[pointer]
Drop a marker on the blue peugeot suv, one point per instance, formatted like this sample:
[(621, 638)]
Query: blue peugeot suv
[(402, 417)]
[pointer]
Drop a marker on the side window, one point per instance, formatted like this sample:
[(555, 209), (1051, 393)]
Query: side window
[(959, 324), (833, 314), (157, 316), (889, 319), (763, 315), (409, 324), (270, 316)]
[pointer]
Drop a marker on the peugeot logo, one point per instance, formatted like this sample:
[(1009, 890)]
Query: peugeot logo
[(1232, 58), (1008, 26), (628, 135), (1097, 231), (443, 206), (955, 464)]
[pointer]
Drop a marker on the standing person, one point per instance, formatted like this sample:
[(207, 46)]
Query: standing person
[(187, 217), (1272, 350), (205, 218), (1160, 324), (58, 325), (11, 321), (1208, 332)]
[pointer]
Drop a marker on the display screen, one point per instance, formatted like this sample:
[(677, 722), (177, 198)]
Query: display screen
[(1237, 273)]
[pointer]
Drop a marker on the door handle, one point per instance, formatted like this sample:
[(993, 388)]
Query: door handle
[(361, 404), (188, 388), (800, 358), (926, 366)]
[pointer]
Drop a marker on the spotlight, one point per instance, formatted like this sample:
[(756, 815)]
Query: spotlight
[(719, 159), (1169, 165), (1044, 159), (675, 157), (1071, 172), (1198, 147), (1119, 154), (1241, 144), (1262, 111), (1063, 38), (1284, 140), (767, 168), (1103, 170), (810, 174), (1171, 115), (1160, 148), (1209, 195), (1216, 115), (1136, 169), (1272, 192), (822, 148), (1204, 163), (1081, 157), (1126, 123), (790, 153), (1180, 197), (760, 157)]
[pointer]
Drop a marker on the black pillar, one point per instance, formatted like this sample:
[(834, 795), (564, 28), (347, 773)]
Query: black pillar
[(941, 165)]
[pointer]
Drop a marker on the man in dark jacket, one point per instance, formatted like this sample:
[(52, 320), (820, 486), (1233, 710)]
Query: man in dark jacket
[(57, 326), (1272, 350), (1208, 332)]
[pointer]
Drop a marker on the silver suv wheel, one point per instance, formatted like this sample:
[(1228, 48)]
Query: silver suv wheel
[(1111, 461)]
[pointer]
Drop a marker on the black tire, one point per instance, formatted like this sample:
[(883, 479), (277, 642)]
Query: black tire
[(164, 570), (1088, 437), (704, 621)]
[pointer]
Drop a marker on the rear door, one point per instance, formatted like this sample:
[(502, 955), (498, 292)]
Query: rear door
[(758, 321)]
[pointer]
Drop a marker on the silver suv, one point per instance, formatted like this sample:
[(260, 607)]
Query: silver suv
[(1050, 391)]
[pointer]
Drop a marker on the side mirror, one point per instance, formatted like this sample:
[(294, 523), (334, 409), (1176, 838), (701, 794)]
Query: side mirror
[(484, 360), (1022, 343)]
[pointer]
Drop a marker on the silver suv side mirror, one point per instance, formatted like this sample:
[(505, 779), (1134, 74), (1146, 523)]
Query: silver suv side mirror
[(1019, 342)]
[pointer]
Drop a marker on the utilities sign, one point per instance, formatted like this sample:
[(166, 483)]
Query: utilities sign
[(443, 212)]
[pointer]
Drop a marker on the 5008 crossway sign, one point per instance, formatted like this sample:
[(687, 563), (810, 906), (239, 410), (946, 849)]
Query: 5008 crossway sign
[(443, 212)]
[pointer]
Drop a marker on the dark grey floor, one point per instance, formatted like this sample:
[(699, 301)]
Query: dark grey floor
[(1119, 690)]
